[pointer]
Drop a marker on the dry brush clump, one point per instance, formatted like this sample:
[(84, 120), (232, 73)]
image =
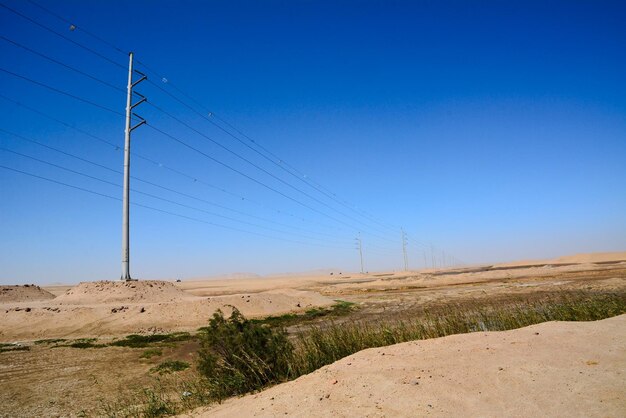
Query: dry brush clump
[(238, 355)]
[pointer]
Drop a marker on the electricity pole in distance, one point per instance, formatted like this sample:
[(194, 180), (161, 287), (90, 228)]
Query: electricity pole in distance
[(360, 248), (404, 242), (127, 132)]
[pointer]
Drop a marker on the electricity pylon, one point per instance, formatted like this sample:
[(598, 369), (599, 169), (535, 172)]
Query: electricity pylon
[(404, 242), (127, 132), (360, 248)]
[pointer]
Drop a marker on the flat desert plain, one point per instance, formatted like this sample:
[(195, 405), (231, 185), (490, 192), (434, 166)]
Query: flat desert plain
[(56, 356)]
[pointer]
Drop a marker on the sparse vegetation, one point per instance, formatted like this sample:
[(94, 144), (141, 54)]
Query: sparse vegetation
[(85, 344), (141, 341), (50, 341), (151, 352), (170, 366), (79, 343), (7, 348), (340, 308)]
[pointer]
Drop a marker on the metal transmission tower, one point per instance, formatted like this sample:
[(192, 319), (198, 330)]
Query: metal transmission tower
[(404, 242), (128, 130), (360, 248)]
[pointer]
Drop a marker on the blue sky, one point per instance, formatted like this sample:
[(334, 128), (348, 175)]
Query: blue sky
[(490, 130)]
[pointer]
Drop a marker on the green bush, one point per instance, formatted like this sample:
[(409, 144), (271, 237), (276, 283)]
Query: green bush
[(238, 355)]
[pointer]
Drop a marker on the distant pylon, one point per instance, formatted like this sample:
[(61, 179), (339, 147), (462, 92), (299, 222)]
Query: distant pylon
[(404, 242), (360, 248), (126, 196)]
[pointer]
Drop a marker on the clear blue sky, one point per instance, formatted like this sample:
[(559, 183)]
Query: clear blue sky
[(493, 130)]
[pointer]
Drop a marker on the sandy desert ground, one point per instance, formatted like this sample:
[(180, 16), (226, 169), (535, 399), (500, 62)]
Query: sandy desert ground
[(48, 380)]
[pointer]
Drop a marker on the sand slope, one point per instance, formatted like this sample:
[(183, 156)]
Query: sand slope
[(551, 369), (27, 292)]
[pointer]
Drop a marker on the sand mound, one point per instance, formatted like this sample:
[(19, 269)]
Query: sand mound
[(23, 293), (142, 291), (550, 369)]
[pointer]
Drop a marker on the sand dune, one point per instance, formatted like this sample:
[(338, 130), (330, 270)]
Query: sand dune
[(151, 291), (23, 293), (551, 369)]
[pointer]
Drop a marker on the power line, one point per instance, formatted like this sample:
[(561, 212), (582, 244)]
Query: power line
[(75, 27), (145, 181), (259, 182), (161, 210), (62, 36), (245, 175), (256, 146), (141, 192), (56, 90), (69, 67), (194, 179), (119, 50), (188, 146), (253, 164), (279, 161), (121, 66)]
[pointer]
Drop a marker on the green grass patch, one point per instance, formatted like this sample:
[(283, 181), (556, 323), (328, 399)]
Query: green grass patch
[(79, 343), (50, 341), (7, 348), (170, 366), (141, 341), (151, 352), (340, 308), (85, 344)]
